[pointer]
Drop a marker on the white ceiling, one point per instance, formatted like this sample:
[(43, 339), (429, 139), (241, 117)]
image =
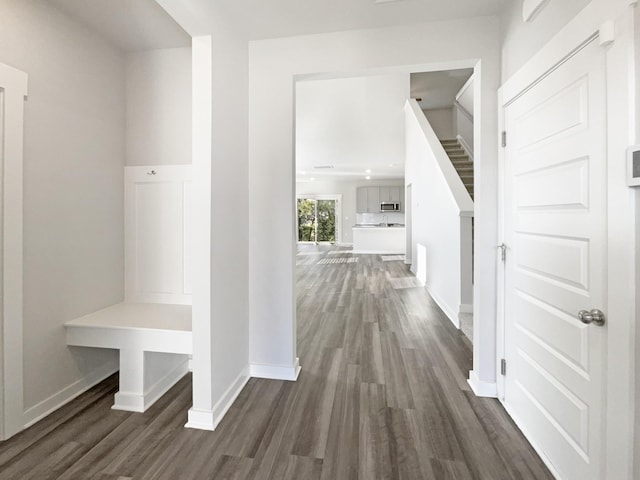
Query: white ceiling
[(438, 89), (135, 25), (131, 25), (282, 18)]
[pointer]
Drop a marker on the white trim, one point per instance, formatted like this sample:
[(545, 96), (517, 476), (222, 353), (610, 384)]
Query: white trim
[(209, 419), (13, 82), (482, 389), (134, 402), (465, 146), (57, 400), (463, 110), (532, 8), (202, 121), (535, 446), (275, 372), (466, 85), (448, 311), (459, 192)]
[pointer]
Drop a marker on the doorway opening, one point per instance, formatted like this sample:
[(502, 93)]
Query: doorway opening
[(316, 219)]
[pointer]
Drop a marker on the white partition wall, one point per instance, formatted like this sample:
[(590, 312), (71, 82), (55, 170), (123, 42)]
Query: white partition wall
[(157, 234), (13, 89)]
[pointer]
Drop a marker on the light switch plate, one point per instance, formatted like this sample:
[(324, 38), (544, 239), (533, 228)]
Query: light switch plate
[(633, 166)]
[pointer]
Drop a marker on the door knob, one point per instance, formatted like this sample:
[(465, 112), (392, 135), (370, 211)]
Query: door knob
[(594, 316)]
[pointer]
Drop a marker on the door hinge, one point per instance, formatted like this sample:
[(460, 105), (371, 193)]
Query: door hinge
[(503, 252), (504, 139), (503, 367)]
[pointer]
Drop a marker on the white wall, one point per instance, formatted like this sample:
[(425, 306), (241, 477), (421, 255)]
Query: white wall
[(346, 188), (73, 201), (438, 197), (463, 115), (220, 173), (521, 40), (345, 121), (158, 96), (442, 122), (274, 65)]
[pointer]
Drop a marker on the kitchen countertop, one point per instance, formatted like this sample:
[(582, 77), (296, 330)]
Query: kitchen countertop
[(390, 225)]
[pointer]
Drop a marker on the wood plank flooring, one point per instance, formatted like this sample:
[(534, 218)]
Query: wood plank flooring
[(382, 395)]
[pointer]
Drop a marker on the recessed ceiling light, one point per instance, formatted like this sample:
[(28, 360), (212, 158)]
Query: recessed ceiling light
[(322, 167), (377, 2), (368, 170), (312, 179), (392, 164), (367, 177)]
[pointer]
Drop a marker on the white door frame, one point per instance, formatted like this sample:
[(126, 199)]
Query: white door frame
[(324, 196), (620, 255), (13, 88), (408, 220)]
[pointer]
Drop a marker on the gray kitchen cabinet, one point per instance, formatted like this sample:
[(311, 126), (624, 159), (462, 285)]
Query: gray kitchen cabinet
[(361, 200), (390, 194), (368, 199), (373, 199), (395, 194)]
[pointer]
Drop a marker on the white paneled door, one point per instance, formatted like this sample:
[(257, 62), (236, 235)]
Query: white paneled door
[(555, 234)]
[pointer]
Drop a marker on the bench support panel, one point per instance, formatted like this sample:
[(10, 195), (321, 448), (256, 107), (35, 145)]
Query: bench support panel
[(146, 376)]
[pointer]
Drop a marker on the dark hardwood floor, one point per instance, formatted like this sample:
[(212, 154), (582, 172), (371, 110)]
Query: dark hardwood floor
[(382, 394)]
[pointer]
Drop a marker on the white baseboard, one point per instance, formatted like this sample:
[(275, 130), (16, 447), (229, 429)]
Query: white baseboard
[(275, 372), (209, 419), (407, 261), (448, 311), (525, 431), (482, 389), (134, 402), (466, 308), (64, 396), (343, 244)]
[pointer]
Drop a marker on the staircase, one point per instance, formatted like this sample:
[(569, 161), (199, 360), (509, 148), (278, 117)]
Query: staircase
[(461, 161)]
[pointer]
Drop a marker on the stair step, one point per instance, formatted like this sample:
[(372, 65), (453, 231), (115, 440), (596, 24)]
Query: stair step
[(461, 162)]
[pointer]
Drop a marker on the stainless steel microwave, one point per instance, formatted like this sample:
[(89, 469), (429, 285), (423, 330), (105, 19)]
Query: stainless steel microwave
[(389, 207)]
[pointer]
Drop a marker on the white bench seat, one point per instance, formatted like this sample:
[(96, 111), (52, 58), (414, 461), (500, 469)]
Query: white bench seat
[(154, 341)]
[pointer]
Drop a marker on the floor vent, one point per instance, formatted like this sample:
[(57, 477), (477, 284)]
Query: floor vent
[(328, 261), (392, 258)]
